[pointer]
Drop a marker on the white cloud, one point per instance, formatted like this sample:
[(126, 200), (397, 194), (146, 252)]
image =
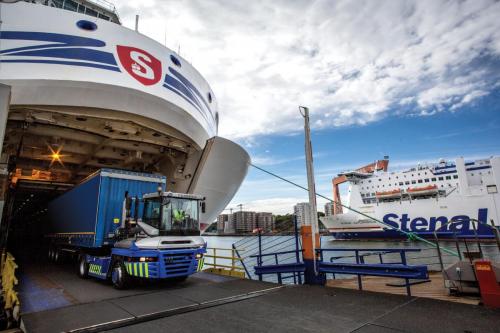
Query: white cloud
[(351, 62)]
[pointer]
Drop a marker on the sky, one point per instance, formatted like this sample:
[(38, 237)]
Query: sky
[(414, 80)]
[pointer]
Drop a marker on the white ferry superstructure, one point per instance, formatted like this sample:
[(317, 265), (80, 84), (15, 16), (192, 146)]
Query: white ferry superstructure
[(420, 200)]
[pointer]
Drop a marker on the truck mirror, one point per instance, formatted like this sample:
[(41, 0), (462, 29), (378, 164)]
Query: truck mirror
[(203, 207)]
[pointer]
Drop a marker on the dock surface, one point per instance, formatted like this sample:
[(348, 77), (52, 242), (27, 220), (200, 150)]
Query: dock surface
[(208, 303), (434, 289)]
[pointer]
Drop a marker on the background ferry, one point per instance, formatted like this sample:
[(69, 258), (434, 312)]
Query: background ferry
[(420, 200)]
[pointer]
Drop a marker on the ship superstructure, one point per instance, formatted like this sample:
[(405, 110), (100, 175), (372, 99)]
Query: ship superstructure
[(101, 9), (421, 199)]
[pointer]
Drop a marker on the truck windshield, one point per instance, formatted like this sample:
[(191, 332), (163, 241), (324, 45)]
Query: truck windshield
[(173, 217)]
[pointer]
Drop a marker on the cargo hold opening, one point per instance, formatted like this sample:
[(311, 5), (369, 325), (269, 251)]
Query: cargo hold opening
[(25, 218), (48, 150)]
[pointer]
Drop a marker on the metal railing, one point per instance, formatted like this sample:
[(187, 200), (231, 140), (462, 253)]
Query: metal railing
[(235, 268), (104, 4), (383, 268), (10, 299), (295, 269), (251, 248)]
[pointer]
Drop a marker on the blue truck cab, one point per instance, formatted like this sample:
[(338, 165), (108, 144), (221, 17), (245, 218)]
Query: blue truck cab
[(123, 225)]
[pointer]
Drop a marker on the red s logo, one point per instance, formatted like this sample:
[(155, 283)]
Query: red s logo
[(140, 64)]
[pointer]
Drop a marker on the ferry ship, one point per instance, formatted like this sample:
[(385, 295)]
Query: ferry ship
[(450, 198), (80, 92)]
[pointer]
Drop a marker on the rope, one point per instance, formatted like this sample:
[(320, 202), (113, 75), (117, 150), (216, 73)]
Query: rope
[(410, 235)]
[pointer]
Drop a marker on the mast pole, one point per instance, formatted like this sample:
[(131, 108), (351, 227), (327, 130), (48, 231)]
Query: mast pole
[(309, 231)]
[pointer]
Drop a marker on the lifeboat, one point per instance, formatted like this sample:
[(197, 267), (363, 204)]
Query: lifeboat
[(388, 194), (425, 190)]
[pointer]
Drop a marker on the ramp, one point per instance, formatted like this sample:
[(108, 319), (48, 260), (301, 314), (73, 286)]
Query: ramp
[(197, 293)]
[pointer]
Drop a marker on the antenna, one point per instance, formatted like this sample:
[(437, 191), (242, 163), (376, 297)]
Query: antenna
[(137, 23)]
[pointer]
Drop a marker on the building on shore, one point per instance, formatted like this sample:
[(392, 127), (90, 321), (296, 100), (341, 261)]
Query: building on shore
[(265, 221), (303, 212), (229, 227), (222, 221), (244, 222), (329, 209)]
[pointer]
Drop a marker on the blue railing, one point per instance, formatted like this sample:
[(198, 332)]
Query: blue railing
[(360, 268), (286, 243), (296, 269), (365, 252)]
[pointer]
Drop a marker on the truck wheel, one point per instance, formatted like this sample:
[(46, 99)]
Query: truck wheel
[(119, 276), (83, 268)]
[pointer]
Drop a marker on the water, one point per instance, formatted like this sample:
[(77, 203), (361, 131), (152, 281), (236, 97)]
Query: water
[(427, 256)]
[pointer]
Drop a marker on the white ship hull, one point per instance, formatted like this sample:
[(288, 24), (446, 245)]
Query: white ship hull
[(109, 97), (473, 203)]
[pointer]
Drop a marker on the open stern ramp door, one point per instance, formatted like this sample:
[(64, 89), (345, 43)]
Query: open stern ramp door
[(221, 170)]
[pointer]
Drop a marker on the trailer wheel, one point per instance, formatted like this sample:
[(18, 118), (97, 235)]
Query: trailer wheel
[(119, 276), (83, 268)]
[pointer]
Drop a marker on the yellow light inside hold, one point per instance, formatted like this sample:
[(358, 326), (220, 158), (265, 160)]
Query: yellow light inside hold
[(142, 259), (199, 255), (56, 156)]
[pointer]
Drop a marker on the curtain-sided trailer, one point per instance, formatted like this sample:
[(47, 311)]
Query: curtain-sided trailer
[(123, 224)]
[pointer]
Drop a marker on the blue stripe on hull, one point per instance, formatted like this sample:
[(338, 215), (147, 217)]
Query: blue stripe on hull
[(392, 234)]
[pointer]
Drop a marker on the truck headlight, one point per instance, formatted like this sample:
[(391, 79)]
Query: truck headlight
[(145, 259), (199, 255)]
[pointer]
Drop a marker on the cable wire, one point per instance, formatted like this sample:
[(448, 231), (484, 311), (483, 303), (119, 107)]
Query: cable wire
[(406, 233)]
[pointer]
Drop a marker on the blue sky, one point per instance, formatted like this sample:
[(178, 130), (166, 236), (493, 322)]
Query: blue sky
[(416, 80), (472, 131)]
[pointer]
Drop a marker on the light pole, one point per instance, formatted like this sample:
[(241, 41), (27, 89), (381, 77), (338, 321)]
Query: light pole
[(309, 233)]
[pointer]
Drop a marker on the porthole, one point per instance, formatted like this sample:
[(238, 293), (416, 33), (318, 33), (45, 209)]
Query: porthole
[(86, 25), (175, 60)]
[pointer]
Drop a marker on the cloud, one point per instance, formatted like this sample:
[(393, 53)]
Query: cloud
[(351, 62)]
